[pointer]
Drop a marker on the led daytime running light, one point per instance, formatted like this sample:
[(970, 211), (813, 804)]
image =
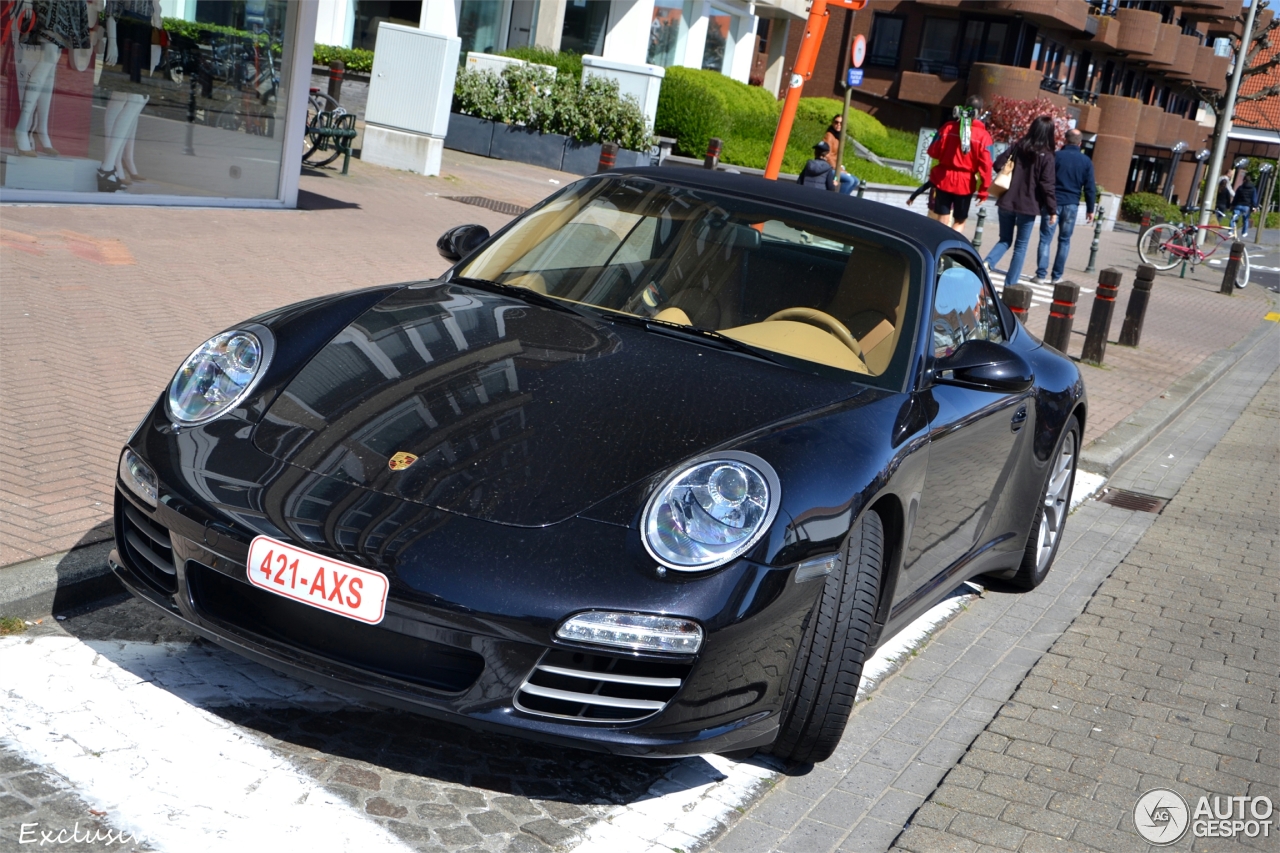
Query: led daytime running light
[(635, 631), (138, 477)]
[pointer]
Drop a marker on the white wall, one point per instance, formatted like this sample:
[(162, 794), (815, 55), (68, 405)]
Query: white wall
[(440, 16), (335, 22), (696, 41), (744, 50), (184, 9), (627, 37)]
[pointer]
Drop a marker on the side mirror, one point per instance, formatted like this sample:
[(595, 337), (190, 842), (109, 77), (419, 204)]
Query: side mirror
[(984, 365), (460, 241)]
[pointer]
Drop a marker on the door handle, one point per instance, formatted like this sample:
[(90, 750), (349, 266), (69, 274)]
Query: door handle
[(1019, 418)]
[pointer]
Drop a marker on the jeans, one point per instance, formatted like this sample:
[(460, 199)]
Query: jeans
[(1238, 212), (848, 183), (1009, 222), (1066, 225)]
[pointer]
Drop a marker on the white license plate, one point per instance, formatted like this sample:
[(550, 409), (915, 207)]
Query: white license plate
[(318, 581)]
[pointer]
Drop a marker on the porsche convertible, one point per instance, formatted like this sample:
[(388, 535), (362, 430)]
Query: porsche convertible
[(651, 470)]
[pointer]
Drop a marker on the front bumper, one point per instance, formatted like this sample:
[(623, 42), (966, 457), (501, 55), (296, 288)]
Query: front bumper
[(467, 661)]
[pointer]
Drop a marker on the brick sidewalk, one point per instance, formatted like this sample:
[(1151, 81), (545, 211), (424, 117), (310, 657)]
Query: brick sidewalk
[(1167, 680), (99, 304)]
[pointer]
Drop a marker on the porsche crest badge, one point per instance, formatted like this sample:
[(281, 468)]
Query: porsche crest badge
[(401, 461)]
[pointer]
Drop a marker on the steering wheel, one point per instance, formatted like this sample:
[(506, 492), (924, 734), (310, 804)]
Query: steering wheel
[(823, 321)]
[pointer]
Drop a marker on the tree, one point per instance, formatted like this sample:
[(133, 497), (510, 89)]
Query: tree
[(1261, 41)]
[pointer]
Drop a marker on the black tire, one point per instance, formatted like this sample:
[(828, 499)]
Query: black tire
[(828, 667), (1051, 511)]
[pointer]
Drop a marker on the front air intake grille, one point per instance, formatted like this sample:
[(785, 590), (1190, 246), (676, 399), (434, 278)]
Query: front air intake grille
[(599, 688), (147, 546)]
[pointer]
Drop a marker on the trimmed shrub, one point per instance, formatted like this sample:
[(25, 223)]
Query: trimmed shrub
[(1134, 205), (696, 105), (526, 95), (354, 58), (563, 61)]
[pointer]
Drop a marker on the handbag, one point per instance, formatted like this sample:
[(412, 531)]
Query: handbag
[(1003, 180)]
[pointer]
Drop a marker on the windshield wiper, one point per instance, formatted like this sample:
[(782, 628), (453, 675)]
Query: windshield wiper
[(528, 295), (706, 336)]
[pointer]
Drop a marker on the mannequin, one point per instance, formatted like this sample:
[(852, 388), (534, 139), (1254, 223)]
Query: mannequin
[(129, 24), (57, 25)]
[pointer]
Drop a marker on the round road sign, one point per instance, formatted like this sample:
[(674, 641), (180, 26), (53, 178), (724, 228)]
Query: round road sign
[(859, 51)]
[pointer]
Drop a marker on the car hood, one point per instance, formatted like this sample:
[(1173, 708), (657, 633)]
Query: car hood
[(518, 413)]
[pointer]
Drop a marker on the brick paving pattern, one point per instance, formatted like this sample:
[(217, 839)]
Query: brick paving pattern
[(1167, 680)]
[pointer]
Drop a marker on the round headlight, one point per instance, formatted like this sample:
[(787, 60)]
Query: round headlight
[(711, 511), (219, 374)]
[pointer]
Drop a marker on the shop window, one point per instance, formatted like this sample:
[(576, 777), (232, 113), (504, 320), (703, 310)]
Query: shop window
[(886, 41), (479, 26), (585, 23), (717, 52), (371, 13), (169, 116), (667, 33)]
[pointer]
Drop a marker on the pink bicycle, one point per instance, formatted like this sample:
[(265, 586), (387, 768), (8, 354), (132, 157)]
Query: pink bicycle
[(1168, 244)]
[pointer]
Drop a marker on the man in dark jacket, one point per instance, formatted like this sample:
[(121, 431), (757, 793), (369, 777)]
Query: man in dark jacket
[(1073, 174), (818, 172)]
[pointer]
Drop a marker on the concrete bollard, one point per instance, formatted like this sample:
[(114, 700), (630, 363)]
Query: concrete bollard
[(608, 156), (1057, 332), (1018, 298), (1233, 269), (1104, 303), (713, 153), (1097, 240), (862, 189), (977, 229), (337, 69), (1136, 311)]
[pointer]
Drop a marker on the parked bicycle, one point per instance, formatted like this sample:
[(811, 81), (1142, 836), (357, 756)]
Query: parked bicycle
[(1167, 244), (322, 112)]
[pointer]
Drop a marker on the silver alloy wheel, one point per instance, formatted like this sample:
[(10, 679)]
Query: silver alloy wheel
[(1057, 501)]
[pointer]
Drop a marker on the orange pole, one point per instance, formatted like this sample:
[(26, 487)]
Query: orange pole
[(806, 58)]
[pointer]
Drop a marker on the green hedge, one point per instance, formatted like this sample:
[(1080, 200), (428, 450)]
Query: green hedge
[(355, 59), (1134, 205), (695, 105), (563, 61)]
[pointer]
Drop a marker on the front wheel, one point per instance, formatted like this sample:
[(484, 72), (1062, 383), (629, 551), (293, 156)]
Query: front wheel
[(1051, 514), (1162, 246), (1242, 271), (828, 665)]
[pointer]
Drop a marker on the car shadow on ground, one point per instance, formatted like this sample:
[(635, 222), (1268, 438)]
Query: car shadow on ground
[(327, 730)]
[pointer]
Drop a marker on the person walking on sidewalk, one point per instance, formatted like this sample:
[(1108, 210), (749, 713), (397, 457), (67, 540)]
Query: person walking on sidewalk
[(963, 151), (848, 183), (1242, 204), (1074, 175), (1031, 189)]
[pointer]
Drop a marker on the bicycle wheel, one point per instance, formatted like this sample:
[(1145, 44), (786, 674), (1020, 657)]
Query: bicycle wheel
[(229, 119), (1162, 246), (318, 104), (1242, 271)]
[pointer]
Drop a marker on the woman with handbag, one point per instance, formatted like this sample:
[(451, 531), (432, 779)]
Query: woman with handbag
[(1025, 181)]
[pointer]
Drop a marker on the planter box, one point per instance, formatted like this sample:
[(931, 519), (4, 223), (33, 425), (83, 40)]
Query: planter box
[(470, 134), (528, 146), (582, 158)]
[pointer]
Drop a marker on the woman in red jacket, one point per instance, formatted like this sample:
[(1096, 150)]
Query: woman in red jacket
[(1031, 193), (963, 151)]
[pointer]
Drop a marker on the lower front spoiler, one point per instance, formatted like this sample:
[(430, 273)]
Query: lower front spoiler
[(752, 732)]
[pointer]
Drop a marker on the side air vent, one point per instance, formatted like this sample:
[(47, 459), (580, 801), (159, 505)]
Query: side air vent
[(147, 547), (599, 688)]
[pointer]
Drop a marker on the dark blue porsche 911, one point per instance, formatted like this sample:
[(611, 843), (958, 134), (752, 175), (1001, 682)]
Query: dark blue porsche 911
[(652, 470)]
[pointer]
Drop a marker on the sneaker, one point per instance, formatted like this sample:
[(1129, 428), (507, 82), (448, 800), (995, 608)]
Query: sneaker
[(1058, 281), (1039, 280)]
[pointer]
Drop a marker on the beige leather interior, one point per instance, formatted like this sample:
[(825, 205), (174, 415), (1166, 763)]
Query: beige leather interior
[(873, 291), (800, 340), (673, 315), (822, 320)]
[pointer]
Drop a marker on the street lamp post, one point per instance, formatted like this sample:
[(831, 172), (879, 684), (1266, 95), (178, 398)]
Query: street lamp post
[(1177, 149), (1224, 120), (1195, 177)]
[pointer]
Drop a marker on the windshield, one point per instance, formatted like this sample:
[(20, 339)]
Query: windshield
[(811, 289)]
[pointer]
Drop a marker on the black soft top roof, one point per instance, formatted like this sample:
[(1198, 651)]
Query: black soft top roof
[(922, 230)]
